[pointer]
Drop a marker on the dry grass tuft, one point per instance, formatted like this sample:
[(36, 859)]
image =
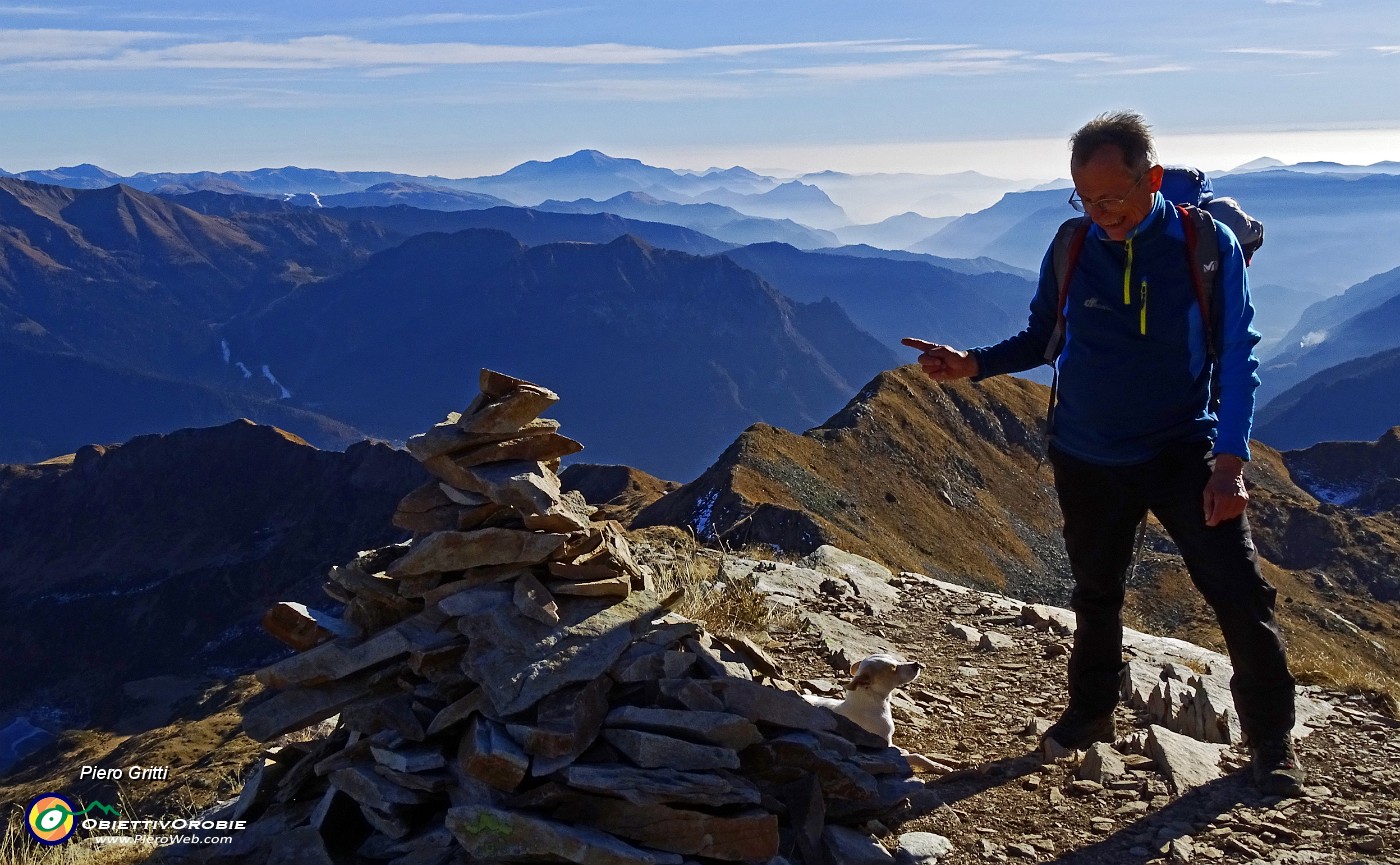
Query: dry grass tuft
[(725, 607), (1317, 665)]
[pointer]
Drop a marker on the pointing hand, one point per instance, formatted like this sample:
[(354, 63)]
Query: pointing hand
[(941, 362)]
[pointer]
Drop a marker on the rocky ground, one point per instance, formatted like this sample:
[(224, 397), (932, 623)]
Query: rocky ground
[(974, 710)]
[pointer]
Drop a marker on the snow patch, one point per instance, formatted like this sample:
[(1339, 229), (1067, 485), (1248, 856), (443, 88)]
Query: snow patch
[(246, 372), (1316, 337), (223, 347), (267, 374), (1326, 493), (704, 512)]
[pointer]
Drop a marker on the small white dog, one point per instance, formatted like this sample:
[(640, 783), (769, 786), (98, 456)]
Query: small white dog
[(868, 693)]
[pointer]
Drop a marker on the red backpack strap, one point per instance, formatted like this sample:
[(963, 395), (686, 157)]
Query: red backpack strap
[(1069, 240), (1203, 253)]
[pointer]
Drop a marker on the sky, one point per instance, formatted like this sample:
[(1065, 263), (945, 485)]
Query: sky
[(472, 88)]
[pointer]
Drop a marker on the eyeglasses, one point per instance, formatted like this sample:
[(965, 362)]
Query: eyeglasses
[(1102, 204)]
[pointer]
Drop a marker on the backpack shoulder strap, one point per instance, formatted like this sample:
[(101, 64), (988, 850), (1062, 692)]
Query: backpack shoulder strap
[(1203, 252), (1064, 254)]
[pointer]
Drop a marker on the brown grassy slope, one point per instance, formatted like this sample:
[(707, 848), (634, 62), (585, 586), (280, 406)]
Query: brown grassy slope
[(940, 479), (619, 492), (943, 479)]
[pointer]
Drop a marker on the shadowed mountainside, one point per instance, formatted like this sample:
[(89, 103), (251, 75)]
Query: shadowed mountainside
[(168, 549), (659, 355)]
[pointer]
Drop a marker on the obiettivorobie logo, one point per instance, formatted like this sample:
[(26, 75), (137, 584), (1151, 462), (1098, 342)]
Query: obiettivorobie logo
[(51, 818)]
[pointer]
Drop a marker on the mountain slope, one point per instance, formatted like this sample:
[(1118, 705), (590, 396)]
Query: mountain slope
[(892, 299), (944, 480), (716, 220), (1353, 401), (630, 334), (171, 548)]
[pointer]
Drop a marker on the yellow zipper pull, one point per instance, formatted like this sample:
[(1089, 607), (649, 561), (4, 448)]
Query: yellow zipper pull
[(1142, 316), (1128, 274)]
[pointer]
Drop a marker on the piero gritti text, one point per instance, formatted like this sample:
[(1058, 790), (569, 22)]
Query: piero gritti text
[(129, 773)]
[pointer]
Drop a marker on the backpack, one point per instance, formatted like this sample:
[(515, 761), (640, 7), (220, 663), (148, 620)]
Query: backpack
[(1189, 190), (1182, 184)]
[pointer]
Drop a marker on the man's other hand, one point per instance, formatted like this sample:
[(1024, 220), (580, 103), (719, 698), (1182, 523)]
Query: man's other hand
[(1225, 496), (941, 362)]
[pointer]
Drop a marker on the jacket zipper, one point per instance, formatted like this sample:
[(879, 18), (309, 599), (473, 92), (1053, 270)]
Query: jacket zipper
[(1142, 314), (1128, 274)]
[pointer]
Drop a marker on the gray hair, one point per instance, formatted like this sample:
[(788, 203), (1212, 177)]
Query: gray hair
[(1126, 130)]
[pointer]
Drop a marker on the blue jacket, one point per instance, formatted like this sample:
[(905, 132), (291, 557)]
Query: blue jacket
[(1134, 370)]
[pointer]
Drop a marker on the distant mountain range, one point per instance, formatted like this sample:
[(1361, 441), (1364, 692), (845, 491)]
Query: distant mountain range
[(1336, 375), (717, 220), (87, 269), (1323, 231), (586, 174), (338, 322)]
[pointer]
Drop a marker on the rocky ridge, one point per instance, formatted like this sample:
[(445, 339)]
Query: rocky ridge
[(481, 710)]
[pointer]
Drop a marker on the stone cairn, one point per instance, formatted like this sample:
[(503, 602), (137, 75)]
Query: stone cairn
[(509, 686)]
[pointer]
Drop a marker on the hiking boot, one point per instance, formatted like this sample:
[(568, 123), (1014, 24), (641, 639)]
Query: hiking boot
[(1078, 730), (1277, 770)]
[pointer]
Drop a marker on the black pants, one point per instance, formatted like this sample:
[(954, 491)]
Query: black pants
[(1102, 506)]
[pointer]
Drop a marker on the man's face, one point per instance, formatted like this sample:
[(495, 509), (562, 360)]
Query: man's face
[(1126, 197)]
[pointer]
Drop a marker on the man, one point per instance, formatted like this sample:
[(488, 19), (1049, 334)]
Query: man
[(1133, 431)]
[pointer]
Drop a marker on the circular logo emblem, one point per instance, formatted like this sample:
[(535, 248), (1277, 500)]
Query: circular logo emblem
[(50, 819)]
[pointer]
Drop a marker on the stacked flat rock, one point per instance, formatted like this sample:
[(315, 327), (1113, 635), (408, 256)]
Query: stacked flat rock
[(508, 687)]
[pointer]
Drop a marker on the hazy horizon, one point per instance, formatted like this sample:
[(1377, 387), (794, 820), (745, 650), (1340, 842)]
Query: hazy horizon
[(472, 89)]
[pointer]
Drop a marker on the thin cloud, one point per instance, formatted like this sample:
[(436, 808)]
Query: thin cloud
[(644, 90), (879, 71), (1282, 52), (1076, 57), (337, 52), (434, 18), (1386, 49), (38, 10), (45, 44), (1163, 69)]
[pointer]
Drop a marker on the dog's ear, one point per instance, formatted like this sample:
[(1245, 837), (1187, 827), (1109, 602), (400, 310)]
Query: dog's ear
[(855, 668)]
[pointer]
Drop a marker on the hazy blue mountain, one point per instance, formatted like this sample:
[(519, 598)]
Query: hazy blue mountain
[(1322, 232), (1357, 400), (1277, 309), (85, 176), (531, 227), (534, 227), (957, 265), (592, 174), (897, 232), (659, 356), (1357, 324), (716, 220), (1017, 229), (892, 299), (1267, 164), (802, 202), (413, 195), (1327, 313), (57, 402), (873, 197), (288, 180)]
